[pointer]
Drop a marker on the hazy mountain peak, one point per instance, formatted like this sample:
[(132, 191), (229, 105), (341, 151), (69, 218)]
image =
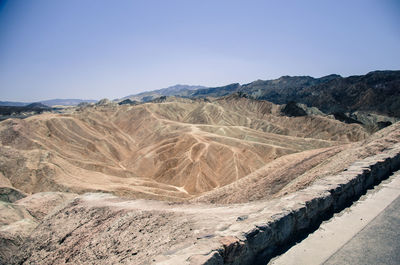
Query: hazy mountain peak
[(175, 90)]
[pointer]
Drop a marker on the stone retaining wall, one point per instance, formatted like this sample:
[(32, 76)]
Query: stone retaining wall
[(256, 238)]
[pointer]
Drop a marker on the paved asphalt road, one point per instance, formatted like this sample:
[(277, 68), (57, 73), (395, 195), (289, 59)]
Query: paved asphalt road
[(368, 232), (377, 243)]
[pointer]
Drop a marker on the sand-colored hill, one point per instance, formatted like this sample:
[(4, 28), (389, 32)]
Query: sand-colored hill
[(172, 150), (97, 228), (231, 150), (296, 171)]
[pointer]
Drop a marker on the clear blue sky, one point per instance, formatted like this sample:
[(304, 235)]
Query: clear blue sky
[(96, 49)]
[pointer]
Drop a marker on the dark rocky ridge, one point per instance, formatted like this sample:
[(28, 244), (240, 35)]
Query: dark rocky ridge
[(217, 91), (127, 102), (292, 110), (22, 111), (344, 118), (377, 92)]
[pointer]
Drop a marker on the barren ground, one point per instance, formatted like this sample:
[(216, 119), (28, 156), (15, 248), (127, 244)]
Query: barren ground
[(234, 153), (170, 151)]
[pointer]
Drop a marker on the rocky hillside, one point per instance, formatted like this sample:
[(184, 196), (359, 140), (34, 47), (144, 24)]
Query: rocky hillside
[(98, 228), (73, 185), (377, 92), (23, 111)]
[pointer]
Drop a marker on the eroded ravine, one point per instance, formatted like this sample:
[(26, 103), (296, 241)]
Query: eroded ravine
[(172, 150)]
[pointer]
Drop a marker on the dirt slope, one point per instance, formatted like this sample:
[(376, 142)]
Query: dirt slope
[(105, 229), (172, 150), (233, 150), (296, 171)]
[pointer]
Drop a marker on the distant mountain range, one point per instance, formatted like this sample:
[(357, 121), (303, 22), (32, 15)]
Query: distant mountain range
[(14, 104), (377, 91), (50, 102), (177, 90)]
